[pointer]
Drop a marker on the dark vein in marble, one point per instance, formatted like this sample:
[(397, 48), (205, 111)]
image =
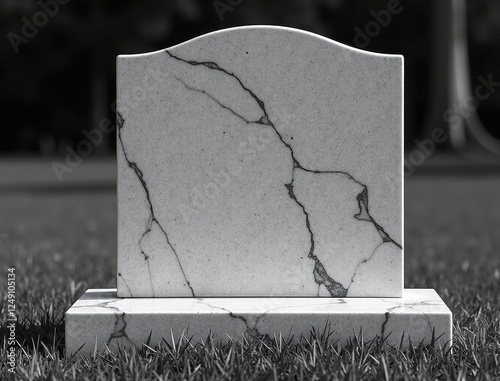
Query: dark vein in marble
[(146, 257), (120, 123), (363, 262), (251, 331), (388, 314), (126, 284), (119, 332), (362, 198), (101, 305), (364, 215), (414, 307), (320, 274), (108, 305), (215, 100), (411, 306), (382, 330), (424, 303)]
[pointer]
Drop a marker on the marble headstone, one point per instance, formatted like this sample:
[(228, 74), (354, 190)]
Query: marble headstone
[(260, 161), (259, 187)]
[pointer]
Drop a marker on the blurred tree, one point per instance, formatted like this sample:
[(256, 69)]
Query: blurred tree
[(484, 51)]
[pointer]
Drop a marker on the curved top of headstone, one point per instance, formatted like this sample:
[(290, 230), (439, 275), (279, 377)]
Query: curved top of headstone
[(260, 161), (258, 30)]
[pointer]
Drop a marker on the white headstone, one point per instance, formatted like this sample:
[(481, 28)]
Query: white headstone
[(260, 161), (258, 168)]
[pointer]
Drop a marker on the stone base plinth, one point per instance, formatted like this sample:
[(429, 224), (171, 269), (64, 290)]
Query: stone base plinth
[(100, 319)]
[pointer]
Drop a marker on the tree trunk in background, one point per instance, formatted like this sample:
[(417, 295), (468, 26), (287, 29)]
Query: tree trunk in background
[(99, 89)]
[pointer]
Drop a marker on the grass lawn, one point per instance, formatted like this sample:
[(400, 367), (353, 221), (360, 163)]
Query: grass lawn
[(62, 243)]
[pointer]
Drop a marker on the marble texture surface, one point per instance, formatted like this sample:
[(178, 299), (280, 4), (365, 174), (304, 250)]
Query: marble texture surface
[(99, 319), (260, 161)]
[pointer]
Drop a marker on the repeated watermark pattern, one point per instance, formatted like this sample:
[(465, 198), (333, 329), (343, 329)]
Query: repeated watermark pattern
[(423, 149), (143, 91), (224, 6), (83, 149), (454, 116), (463, 110), (30, 27), (381, 19)]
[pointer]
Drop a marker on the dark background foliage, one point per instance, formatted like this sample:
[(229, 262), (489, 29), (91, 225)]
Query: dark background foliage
[(62, 81)]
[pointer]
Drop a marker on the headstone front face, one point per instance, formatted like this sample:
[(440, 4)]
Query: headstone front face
[(260, 161)]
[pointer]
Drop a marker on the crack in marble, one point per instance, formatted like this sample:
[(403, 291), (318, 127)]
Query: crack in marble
[(102, 305), (119, 332), (362, 198), (411, 306), (126, 284), (427, 317), (320, 274), (384, 323), (363, 262), (120, 123), (424, 303), (382, 330), (252, 331), (146, 257), (215, 100), (364, 215)]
